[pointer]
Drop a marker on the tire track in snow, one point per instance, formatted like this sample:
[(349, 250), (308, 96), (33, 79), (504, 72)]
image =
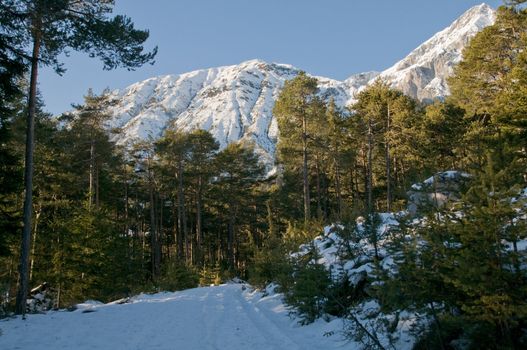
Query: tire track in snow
[(211, 315), (266, 326)]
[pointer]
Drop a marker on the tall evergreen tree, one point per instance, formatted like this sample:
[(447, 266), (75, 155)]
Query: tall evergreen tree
[(488, 85), (386, 121), (174, 149), (238, 172), (294, 111), (53, 26), (203, 148), (335, 148)]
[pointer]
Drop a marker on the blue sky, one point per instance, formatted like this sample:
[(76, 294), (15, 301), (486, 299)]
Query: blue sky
[(332, 38)]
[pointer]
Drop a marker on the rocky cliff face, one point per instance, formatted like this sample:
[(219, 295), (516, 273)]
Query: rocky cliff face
[(236, 102), (422, 74)]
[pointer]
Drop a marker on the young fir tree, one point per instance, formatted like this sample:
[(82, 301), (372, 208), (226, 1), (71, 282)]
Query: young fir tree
[(486, 268), (308, 294), (462, 268)]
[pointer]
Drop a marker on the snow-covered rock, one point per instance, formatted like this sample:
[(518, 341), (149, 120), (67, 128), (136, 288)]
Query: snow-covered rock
[(348, 254), (236, 102), (436, 191)]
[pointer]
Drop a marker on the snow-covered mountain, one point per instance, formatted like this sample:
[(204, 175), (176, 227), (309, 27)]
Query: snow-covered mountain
[(235, 102), (422, 73)]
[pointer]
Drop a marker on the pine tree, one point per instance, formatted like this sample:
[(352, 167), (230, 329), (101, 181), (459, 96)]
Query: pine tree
[(203, 148), (52, 27), (174, 149), (309, 291), (295, 110), (335, 140), (443, 129), (487, 84), (486, 269), (238, 172)]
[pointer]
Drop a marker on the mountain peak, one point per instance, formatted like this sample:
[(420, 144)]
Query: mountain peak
[(482, 8), (422, 74), (480, 15), (236, 102)]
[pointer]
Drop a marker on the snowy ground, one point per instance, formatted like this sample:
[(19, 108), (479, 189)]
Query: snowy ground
[(224, 317)]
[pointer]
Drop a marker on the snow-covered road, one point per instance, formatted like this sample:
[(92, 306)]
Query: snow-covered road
[(211, 318)]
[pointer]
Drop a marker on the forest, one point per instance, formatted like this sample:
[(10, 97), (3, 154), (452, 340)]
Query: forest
[(109, 221)]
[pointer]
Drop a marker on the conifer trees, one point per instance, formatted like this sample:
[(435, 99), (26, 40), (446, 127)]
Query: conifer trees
[(463, 261), (387, 132), (52, 26), (106, 222)]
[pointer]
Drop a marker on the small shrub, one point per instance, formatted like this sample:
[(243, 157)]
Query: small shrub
[(342, 295), (271, 264), (177, 276), (210, 276), (308, 292)]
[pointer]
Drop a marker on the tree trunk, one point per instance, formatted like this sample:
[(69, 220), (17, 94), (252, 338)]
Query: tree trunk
[(160, 234), (254, 226), (175, 232), (337, 188), (396, 175), (369, 177), (60, 268), (373, 233), (388, 165), (126, 203), (230, 237), (307, 214), (199, 231), (515, 260), (154, 239), (353, 185), (34, 242), (319, 192), (438, 325), (96, 186), (92, 173), (23, 286), (181, 213)]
